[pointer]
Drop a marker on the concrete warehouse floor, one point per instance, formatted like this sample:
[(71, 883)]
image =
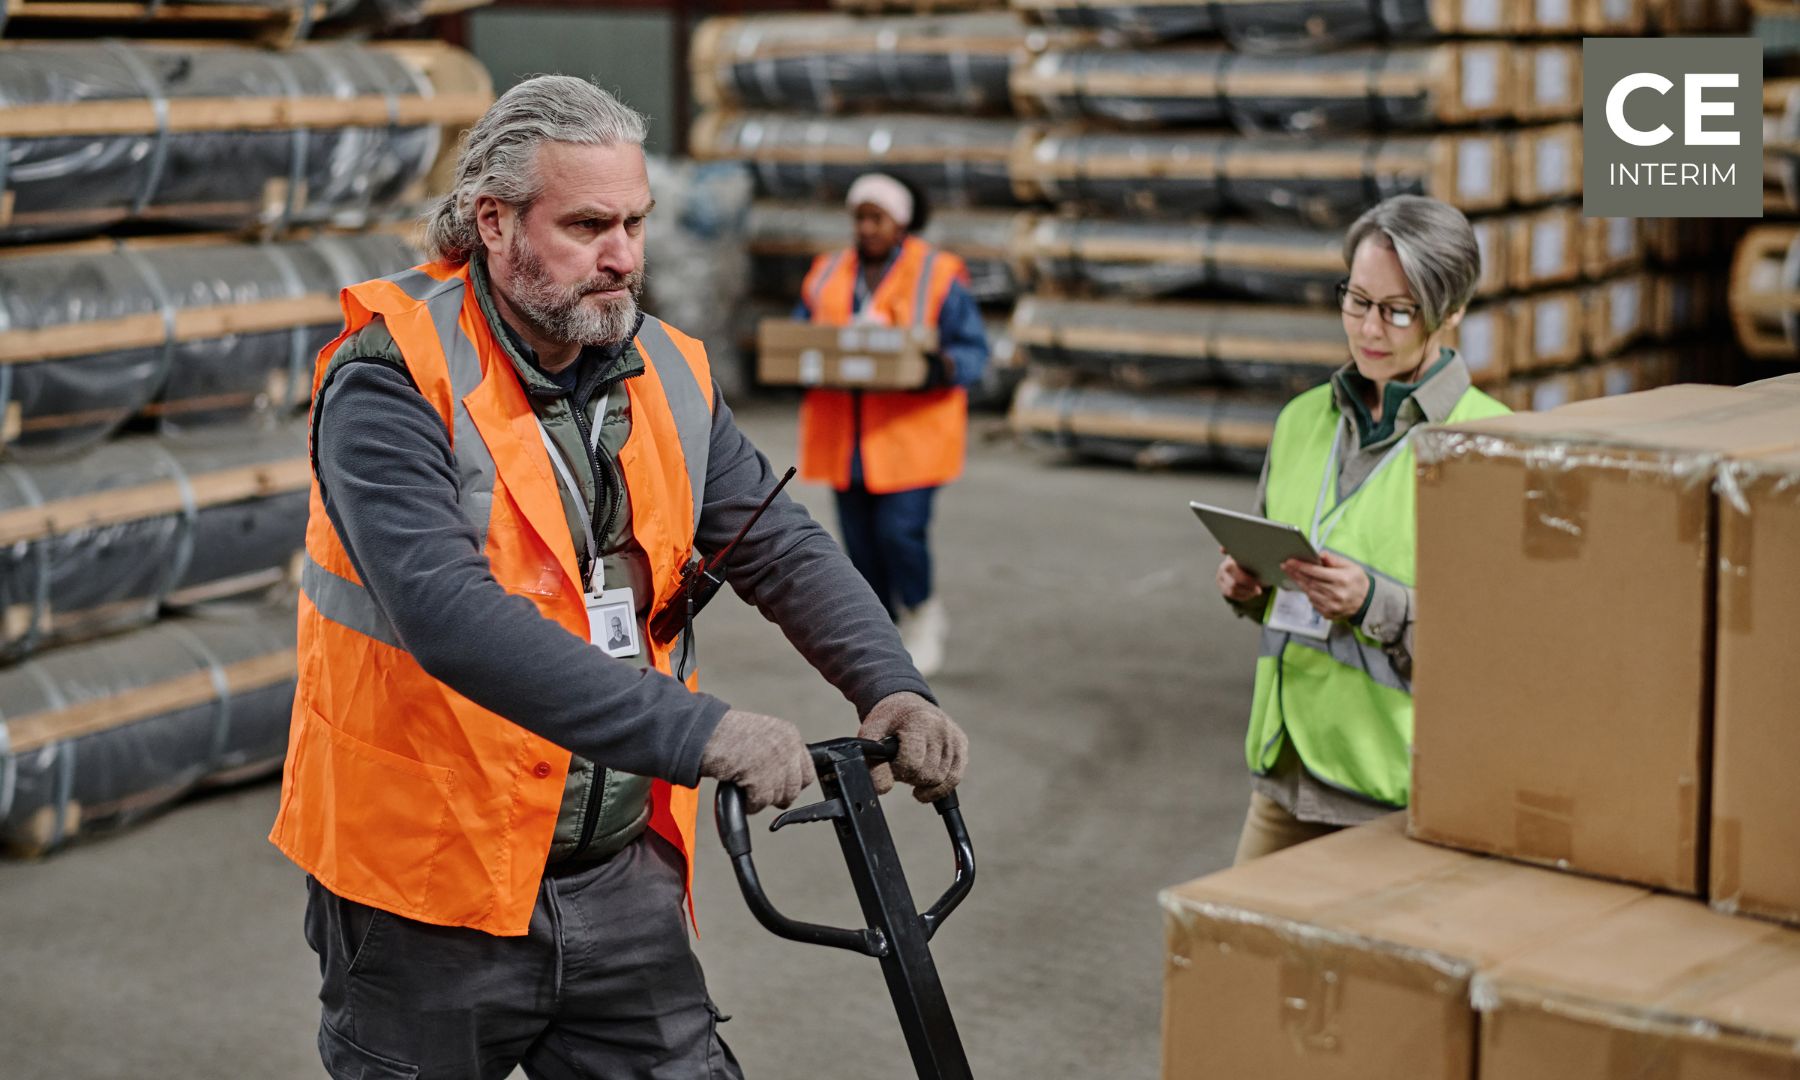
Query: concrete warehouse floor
[(1104, 687)]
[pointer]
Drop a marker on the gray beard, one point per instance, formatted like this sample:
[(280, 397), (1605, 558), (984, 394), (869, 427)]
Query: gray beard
[(561, 313)]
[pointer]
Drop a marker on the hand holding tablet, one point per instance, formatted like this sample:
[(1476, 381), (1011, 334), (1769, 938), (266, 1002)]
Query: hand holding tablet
[(1258, 544)]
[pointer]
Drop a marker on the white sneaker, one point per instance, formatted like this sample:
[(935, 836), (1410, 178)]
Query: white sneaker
[(922, 631)]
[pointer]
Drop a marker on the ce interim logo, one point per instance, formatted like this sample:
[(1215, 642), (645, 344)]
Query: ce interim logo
[(1671, 127)]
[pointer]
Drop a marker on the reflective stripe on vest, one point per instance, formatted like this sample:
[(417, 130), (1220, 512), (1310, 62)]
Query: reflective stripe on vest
[(1342, 701)]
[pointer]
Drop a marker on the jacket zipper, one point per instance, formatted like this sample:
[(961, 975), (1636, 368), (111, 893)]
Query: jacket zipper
[(607, 480)]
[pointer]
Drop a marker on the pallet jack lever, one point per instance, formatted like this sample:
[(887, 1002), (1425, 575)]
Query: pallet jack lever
[(896, 934)]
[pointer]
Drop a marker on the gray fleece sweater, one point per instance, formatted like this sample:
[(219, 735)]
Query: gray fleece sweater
[(388, 480)]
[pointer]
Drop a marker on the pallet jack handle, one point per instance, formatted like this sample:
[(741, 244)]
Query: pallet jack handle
[(829, 758)]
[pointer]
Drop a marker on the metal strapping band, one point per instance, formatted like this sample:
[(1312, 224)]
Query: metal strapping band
[(301, 136), (65, 754), (159, 105), (221, 688), (1371, 179), (768, 82), (1378, 110), (303, 29), (165, 305), (687, 403), (346, 603), (298, 361), (40, 554), (1344, 647), (184, 539)]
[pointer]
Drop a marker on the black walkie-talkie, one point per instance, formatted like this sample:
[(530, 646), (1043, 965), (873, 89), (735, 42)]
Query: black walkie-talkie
[(700, 579)]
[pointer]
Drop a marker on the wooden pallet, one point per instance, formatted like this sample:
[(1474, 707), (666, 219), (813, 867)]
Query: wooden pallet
[(275, 25)]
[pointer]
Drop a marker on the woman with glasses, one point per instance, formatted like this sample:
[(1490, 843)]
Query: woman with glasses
[(1331, 722)]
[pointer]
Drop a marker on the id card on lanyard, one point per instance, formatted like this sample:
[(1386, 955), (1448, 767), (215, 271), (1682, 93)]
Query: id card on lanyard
[(611, 613), (1293, 613)]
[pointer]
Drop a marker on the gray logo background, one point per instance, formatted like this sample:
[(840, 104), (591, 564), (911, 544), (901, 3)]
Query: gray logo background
[(1604, 61)]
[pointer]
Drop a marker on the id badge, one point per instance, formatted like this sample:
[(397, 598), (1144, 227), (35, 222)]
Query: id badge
[(612, 622), (1294, 614)]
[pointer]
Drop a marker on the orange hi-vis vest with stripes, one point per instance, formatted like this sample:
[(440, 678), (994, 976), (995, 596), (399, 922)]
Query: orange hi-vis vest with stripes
[(910, 439), (398, 792)]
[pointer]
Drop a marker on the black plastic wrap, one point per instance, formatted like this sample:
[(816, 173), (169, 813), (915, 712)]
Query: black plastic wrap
[(1192, 429), (1288, 26), (1161, 345), (1366, 89), (108, 541), (785, 237), (957, 161), (841, 63), (95, 737), (1138, 260), (157, 295), (1323, 182), (164, 171)]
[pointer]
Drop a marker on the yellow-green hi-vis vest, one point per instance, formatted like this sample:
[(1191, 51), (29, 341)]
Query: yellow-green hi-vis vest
[(1348, 711)]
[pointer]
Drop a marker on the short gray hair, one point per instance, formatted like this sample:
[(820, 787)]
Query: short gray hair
[(1437, 251), (498, 156)]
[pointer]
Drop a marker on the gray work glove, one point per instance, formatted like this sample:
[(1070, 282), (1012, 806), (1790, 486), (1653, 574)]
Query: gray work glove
[(764, 756), (933, 750)]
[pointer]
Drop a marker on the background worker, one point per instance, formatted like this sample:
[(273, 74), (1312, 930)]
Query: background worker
[(886, 453), (494, 807), (1331, 721)]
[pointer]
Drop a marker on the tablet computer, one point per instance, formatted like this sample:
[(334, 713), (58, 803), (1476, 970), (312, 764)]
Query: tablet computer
[(1258, 544)]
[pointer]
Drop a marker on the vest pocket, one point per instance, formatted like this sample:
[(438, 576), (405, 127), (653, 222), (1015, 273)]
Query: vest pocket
[(381, 818)]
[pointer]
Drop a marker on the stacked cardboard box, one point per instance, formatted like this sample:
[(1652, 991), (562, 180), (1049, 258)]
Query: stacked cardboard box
[(1602, 692), (1365, 954), (175, 225)]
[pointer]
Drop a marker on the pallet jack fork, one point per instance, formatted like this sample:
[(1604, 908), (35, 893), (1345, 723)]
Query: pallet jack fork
[(896, 934)]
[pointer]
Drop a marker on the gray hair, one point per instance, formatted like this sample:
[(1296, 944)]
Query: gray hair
[(1436, 247), (498, 156)]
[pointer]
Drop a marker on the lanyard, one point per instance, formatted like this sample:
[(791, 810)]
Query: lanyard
[(597, 574), (1330, 520)]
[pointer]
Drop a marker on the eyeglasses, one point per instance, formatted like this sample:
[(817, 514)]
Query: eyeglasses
[(1399, 316)]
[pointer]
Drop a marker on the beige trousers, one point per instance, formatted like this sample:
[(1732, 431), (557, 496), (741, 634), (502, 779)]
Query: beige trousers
[(1268, 828)]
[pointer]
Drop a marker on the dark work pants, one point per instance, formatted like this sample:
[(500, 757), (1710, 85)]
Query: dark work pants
[(605, 985), (886, 539)]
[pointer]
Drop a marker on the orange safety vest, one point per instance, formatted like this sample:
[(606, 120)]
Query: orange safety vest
[(910, 439), (397, 791)]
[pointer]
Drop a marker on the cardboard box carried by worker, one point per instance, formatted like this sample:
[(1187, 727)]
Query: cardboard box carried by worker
[(864, 356)]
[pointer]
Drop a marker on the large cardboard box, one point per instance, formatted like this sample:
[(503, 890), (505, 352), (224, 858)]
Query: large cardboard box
[(1755, 865), (1563, 693), (860, 357), (1661, 990), (1350, 957)]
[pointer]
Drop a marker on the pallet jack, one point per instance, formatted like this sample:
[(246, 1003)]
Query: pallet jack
[(896, 934)]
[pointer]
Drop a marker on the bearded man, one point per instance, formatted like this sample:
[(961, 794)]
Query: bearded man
[(495, 809)]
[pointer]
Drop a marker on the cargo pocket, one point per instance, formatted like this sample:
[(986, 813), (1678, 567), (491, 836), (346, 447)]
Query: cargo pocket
[(344, 1060), (356, 788), (721, 1063)]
